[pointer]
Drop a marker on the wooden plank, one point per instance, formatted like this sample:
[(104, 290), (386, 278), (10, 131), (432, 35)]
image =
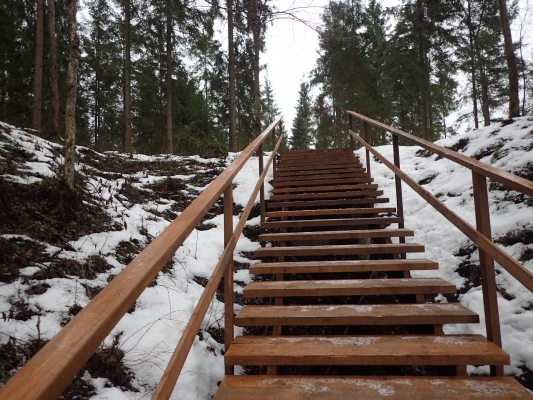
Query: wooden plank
[(320, 183), (354, 314), (246, 387), (339, 175), (337, 195), (335, 235), (339, 250), (348, 287), (313, 267), (333, 222), (321, 203), (330, 212), (319, 172), (365, 350), (364, 184), (296, 168)]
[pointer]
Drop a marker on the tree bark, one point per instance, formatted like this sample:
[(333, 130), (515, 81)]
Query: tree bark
[(473, 63), (38, 72), (514, 102), (127, 81), (52, 61), (257, 46), (169, 148), (422, 65), (232, 144), (70, 114)]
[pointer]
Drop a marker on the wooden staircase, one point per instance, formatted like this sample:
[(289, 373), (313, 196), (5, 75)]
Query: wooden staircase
[(344, 319)]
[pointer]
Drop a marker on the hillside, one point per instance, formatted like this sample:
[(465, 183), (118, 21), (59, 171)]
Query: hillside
[(56, 253)]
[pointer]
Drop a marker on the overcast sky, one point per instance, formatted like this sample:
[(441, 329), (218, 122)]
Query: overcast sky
[(291, 48)]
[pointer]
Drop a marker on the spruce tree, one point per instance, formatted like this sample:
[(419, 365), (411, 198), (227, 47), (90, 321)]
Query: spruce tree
[(302, 127)]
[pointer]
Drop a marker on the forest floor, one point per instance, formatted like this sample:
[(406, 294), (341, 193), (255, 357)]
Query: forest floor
[(57, 252)]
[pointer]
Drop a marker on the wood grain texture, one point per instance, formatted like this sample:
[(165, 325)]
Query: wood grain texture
[(354, 314), (348, 287), (365, 350), (383, 221), (246, 387), (335, 235), (339, 250), (313, 267)]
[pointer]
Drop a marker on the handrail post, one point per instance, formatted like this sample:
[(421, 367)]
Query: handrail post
[(486, 264), (398, 181), (366, 134), (273, 147), (262, 190), (351, 137), (229, 315)]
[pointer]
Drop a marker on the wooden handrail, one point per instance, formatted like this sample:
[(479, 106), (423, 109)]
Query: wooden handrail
[(481, 235), (510, 180), (46, 375)]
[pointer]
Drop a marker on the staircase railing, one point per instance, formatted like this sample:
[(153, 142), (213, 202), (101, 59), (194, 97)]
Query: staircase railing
[(481, 235), (46, 375)]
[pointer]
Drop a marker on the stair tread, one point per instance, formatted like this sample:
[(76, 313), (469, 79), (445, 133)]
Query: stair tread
[(245, 387), (327, 195), (284, 174), (355, 314), (339, 175), (333, 222), (331, 235), (365, 350), (340, 249), (342, 266), (348, 287), (329, 211), (322, 203), (358, 178), (363, 184)]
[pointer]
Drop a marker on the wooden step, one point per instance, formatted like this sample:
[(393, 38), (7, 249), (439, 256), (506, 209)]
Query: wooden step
[(315, 189), (348, 287), (323, 203), (365, 350), (335, 235), (378, 314), (383, 221), (343, 175), (313, 267), (246, 387), (393, 248), (325, 161), (333, 211), (286, 174), (326, 195), (295, 168)]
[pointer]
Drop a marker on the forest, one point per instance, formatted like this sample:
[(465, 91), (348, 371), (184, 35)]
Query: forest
[(150, 76)]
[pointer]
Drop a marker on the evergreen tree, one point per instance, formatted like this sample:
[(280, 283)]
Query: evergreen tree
[(302, 127)]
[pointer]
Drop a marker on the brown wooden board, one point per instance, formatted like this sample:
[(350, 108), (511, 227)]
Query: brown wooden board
[(335, 211), (246, 387), (294, 174), (336, 195), (354, 314), (348, 287), (313, 267), (339, 250), (321, 182), (335, 235), (321, 203), (296, 168), (338, 175), (365, 350), (333, 222), (364, 184)]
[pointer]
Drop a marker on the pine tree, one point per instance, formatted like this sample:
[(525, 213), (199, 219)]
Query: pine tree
[(302, 126)]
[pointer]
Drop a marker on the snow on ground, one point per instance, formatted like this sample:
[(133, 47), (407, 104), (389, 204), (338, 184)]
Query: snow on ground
[(509, 148), (149, 334)]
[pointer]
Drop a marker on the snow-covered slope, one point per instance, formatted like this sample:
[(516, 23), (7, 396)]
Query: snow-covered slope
[(146, 336), (507, 147)]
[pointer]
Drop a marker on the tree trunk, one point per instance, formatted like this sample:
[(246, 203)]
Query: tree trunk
[(127, 81), (257, 97), (484, 92), (70, 114), (232, 144), (473, 63), (52, 61), (169, 144), (514, 103), (422, 65), (38, 72)]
